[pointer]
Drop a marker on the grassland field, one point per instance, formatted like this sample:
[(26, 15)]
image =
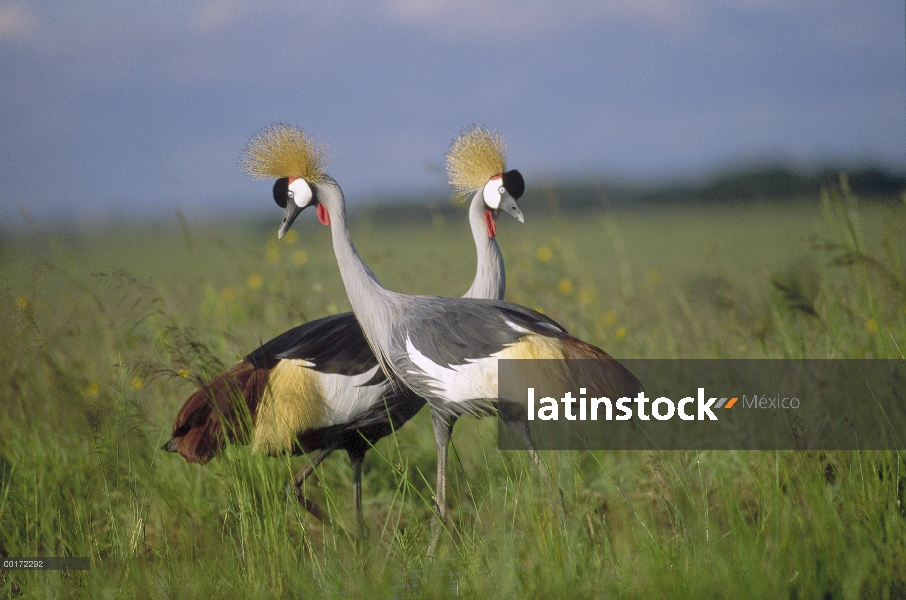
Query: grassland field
[(107, 331)]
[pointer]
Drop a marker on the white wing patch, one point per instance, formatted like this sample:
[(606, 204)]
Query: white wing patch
[(518, 328), (469, 386), (476, 379), (438, 373), (542, 324), (346, 397)]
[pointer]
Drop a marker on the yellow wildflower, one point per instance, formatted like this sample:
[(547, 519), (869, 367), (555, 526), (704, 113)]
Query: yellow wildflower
[(565, 287), (544, 254)]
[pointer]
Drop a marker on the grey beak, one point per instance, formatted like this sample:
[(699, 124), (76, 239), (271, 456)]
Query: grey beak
[(289, 215), (508, 203)]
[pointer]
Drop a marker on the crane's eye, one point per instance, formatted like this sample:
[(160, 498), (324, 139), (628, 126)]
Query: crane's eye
[(291, 194), (502, 190)]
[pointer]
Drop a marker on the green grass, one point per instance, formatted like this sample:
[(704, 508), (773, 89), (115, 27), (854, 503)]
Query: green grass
[(107, 332)]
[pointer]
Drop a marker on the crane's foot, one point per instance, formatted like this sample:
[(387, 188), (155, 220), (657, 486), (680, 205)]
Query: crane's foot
[(438, 524), (360, 541)]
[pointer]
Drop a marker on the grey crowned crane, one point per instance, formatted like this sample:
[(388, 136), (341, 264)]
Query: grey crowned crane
[(318, 386), (443, 349)]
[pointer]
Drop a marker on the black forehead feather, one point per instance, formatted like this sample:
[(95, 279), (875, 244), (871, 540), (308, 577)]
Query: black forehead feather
[(514, 183), (281, 191)]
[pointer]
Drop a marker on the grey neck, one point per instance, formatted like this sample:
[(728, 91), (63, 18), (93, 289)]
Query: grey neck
[(374, 306), (490, 276)]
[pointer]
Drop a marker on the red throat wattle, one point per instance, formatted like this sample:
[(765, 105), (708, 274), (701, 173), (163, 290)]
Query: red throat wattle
[(489, 223), (323, 216)]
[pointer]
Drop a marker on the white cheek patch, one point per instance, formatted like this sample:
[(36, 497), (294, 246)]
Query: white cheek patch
[(491, 192), (300, 192)]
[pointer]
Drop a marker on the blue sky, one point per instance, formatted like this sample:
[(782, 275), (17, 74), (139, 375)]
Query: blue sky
[(117, 108)]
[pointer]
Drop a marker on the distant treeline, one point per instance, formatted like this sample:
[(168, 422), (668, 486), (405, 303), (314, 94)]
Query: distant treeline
[(776, 183), (752, 185)]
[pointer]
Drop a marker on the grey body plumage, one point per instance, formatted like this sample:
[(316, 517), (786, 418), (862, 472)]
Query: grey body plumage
[(432, 344)]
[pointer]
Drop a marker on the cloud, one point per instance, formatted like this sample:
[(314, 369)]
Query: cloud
[(516, 20), (17, 24), (214, 16)]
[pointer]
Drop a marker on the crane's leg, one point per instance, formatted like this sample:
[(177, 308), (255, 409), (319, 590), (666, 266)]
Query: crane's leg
[(443, 430), (300, 478), (522, 429), (356, 457)]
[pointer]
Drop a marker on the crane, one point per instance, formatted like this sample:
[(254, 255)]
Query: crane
[(317, 387), (443, 349)]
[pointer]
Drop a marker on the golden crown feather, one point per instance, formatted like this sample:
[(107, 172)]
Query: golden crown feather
[(475, 156), (282, 150)]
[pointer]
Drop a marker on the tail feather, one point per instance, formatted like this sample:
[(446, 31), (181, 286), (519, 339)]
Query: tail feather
[(222, 409), (615, 379)]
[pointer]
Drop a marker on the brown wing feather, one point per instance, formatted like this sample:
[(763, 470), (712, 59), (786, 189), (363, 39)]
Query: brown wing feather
[(221, 408), (617, 382), (576, 348)]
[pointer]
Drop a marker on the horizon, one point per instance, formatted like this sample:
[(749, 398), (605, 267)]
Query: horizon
[(621, 194)]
